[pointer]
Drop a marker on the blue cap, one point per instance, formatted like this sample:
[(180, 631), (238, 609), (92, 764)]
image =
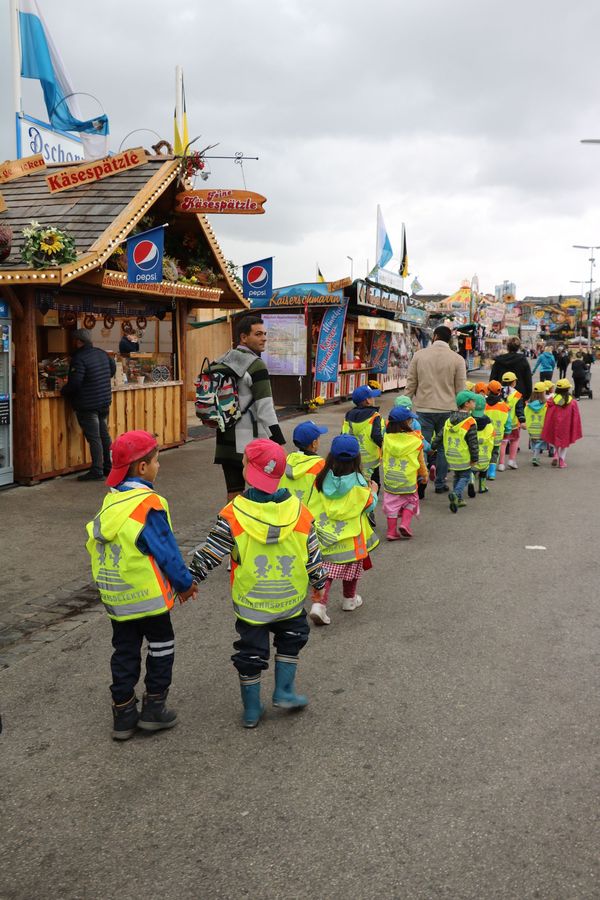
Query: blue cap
[(400, 414), (364, 392), (307, 432), (345, 446)]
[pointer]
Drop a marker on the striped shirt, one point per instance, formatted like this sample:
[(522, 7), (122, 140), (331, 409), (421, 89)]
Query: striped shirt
[(220, 543)]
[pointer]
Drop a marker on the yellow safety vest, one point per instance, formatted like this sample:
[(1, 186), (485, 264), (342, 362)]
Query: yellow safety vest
[(401, 461), (512, 400), (268, 564), (131, 584), (300, 473), (499, 414), (534, 419), (485, 439), (370, 453), (456, 448), (342, 525)]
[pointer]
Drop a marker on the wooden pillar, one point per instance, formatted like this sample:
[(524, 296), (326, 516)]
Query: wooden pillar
[(180, 326), (26, 406)]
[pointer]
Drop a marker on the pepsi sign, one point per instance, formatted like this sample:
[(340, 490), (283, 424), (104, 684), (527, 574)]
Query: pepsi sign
[(258, 279), (145, 257)]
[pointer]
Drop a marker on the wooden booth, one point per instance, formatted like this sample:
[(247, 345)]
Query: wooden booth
[(48, 304)]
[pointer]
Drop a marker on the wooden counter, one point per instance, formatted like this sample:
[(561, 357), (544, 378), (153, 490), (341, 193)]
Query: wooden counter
[(151, 407)]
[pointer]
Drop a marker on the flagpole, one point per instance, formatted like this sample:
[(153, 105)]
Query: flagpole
[(16, 60), (179, 101)]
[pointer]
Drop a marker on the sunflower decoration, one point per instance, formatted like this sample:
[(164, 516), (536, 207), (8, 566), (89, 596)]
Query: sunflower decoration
[(374, 384), (45, 245)]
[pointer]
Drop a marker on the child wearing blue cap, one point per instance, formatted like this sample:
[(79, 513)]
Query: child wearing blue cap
[(367, 426), (340, 502), (403, 468), (304, 464)]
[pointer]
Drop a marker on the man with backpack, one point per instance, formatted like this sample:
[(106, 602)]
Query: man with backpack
[(258, 417)]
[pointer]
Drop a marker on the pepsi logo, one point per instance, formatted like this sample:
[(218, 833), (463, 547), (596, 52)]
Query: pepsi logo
[(145, 255), (257, 276)]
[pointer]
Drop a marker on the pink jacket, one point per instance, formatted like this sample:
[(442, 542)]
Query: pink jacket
[(562, 425)]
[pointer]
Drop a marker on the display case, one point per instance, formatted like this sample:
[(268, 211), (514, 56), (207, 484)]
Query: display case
[(6, 450)]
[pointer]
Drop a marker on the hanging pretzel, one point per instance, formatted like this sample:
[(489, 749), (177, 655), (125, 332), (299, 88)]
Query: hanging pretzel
[(141, 322), (89, 321), (126, 327), (109, 322)]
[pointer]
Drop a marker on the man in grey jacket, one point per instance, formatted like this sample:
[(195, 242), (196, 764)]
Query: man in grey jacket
[(435, 376), (259, 419)]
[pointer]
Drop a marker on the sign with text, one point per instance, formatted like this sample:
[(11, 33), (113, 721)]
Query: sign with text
[(2, 203), (16, 168), (340, 284), (306, 294), (225, 202), (96, 171), (37, 137), (329, 344), (380, 351), (257, 279), (285, 353), (145, 257)]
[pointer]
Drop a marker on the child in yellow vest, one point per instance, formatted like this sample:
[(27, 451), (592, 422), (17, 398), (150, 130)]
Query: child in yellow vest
[(535, 413), (514, 399), (274, 554), (138, 568), (403, 467), (341, 501), (500, 414), (485, 441), (367, 426), (304, 464), (459, 438)]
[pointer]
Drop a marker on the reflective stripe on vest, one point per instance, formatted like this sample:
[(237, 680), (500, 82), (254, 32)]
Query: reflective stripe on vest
[(456, 448), (401, 462), (512, 400), (534, 419), (268, 569), (485, 439), (343, 528), (131, 584), (302, 486), (498, 413), (370, 453)]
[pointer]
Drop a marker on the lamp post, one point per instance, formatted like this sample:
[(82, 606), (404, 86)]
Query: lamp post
[(351, 267), (591, 248), (581, 283)]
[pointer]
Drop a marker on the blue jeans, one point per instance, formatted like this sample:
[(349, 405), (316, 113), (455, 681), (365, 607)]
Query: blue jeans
[(461, 480), (433, 422), (93, 424)]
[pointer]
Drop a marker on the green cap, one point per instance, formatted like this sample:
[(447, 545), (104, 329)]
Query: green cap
[(480, 403), (463, 396), (403, 401)]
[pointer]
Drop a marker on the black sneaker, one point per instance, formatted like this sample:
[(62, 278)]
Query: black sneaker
[(471, 490), (125, 719), (90, 476), (442, 489), (155, 715)]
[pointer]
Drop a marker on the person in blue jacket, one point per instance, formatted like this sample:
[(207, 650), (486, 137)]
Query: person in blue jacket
[(545, 362)]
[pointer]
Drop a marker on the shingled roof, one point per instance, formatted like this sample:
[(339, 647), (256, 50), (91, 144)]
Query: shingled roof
[(98, 216)]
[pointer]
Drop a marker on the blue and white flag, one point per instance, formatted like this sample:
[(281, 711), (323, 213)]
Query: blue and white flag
[(145, 256), (384, 246), (41, 61), (415, 286)]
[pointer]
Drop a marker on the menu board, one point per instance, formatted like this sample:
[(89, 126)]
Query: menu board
[(285, 353)]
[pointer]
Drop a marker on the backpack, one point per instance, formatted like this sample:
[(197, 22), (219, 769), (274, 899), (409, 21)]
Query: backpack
[(217, 397)]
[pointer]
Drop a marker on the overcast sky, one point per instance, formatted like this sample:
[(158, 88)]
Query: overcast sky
[(462, 119)]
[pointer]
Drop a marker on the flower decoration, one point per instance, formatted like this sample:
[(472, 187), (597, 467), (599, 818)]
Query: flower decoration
[(46, 246), (376, 385)]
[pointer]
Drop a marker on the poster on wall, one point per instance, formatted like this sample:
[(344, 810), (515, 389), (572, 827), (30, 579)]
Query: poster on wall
[(329, 344), (285, 353), (380, 351)]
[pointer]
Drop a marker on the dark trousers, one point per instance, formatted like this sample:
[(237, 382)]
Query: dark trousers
[(562, 370), (546, 376), (253, 647), (578, 387), (126, 661), (433, 422), (94, 427)]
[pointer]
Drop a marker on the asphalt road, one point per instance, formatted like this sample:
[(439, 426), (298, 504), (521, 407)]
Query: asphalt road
[(450, 749)]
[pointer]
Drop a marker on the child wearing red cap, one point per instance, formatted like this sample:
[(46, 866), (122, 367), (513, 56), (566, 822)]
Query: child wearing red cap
[(138, 568), (274, 553)]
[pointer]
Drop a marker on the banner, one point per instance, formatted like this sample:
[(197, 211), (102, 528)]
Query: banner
[(16, 168), (329, 344), (303, 295), (145, 256), (380, 351), (210, 201), (102, 168), (257, 279)]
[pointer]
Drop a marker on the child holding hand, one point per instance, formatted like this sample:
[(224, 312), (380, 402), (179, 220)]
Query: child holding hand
[(403, 468)]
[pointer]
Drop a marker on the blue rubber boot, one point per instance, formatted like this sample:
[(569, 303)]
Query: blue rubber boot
[(253, 708), (491, 471), (284, 694)]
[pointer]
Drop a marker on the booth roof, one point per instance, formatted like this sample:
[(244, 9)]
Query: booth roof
[(98, 216)]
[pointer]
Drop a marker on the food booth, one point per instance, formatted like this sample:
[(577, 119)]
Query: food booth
[(50, 302)]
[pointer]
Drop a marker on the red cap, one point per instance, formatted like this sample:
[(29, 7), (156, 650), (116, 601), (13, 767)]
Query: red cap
[(265, 464), (127, 449)]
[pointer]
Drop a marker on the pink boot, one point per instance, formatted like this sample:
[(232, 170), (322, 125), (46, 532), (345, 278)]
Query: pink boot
[(392, 530), (405, 523), (562, 464)]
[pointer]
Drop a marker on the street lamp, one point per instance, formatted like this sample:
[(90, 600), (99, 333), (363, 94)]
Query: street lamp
[(592, 263), (581, 283), (351, 267)]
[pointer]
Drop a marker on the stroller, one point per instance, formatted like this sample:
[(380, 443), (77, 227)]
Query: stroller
[(586, 388)]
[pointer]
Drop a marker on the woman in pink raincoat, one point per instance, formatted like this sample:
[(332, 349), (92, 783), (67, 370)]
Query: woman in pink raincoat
[(562, 425)]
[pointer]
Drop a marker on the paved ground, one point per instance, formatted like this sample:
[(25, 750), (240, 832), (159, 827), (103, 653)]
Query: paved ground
[(450, 749)]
